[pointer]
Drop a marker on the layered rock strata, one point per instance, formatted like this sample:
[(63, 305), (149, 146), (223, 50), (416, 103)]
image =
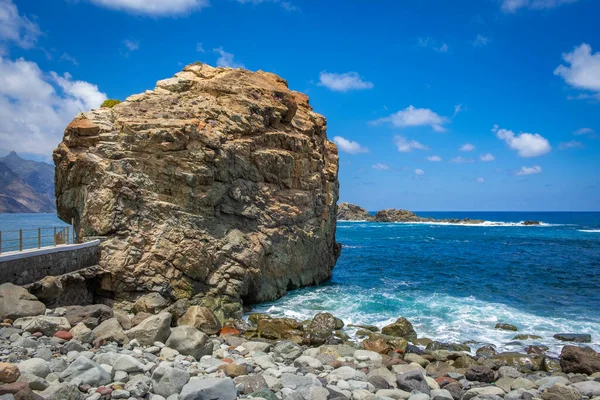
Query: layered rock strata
[(219, 185)]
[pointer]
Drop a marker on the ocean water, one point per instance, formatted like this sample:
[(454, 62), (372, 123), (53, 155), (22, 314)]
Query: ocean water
[(29, 223), (455, 282)]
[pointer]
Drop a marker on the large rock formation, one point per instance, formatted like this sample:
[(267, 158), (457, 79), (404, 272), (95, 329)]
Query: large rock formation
[(351, 212), (219, 185)]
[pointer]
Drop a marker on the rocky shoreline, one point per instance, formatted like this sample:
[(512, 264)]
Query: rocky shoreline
[(156, 352), (352, 212)]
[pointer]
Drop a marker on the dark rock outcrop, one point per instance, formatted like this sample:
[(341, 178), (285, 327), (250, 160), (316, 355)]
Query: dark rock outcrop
[(351, 212), (219, 185), (579, 360)]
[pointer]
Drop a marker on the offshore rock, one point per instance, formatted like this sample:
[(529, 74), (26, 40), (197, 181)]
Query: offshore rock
[(351, 212), (219, 185)]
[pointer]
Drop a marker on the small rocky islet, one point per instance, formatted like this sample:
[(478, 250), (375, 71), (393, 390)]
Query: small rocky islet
[(157, 351), (352, 212)]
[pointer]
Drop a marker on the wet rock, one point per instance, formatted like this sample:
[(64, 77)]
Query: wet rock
[(486, 351), (506, 327), (401, 328), (279, 328), (574, 337), (579, 360), (520, 361), (16, 302), (321, 328), (526, 337)]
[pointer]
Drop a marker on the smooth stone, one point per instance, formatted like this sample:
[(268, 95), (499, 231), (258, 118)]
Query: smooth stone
[(561, 392), (483, 391), (85, 371), (156, 328), (413, 380), (62, 391), (35, 366), (189, 341), (574, 337), (589, 388), (128, 364), (209, 389), (167, 381)]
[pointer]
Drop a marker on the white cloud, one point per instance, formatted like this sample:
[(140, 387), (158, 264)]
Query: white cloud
[(487, 157), (462, 160), (427, 42), (479, 180), (411, 117), (35, 107), (529, 170), (584, 131), (467, 147), (286, 5), (584, 69), (480, 41), (526, 144), (381, 167), (457, 109), (434, 158), (155, 8), (511, 6), (573, 144), (406, 146), (419, 172), (227, 59), (131, 44), (349, 146), (199, 47), (69, 58), (16, 28), (343, 82)]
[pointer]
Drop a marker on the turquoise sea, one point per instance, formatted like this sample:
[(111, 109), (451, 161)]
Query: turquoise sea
[(455, 282)]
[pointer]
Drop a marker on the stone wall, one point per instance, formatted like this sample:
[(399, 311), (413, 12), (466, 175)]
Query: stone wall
[(30, 266)]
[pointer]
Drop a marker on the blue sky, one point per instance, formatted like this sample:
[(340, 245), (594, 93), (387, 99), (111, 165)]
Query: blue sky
[(481, 105)]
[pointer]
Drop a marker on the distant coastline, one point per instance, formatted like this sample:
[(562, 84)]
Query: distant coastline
[(352, 213)]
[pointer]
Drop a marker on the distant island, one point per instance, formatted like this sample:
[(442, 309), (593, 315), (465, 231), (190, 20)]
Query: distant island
[(26, 186), (352, 212)]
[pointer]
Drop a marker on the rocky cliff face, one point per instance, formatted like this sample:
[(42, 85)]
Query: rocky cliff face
[(219, 185)]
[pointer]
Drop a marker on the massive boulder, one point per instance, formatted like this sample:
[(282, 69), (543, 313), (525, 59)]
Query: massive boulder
[(219, 185)]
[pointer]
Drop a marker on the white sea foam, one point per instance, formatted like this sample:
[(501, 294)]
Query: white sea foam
[(433, 223), (436, 316), (590, 230)]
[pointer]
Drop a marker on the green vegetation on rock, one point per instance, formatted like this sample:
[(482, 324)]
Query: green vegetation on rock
[(110, 103)]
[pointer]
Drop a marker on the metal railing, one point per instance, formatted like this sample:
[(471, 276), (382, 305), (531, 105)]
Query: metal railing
[(36, 238)]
